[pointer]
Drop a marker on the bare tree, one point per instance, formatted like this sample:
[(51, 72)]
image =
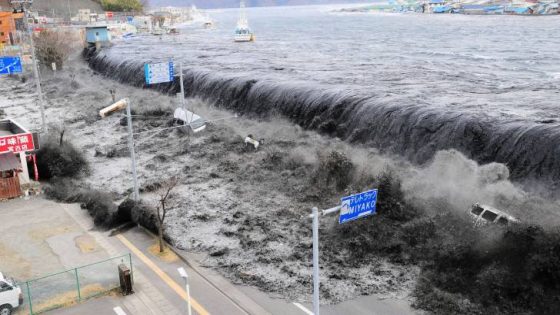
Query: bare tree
[(53, 47), (164, 205)]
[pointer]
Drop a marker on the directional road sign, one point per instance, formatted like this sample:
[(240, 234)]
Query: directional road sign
[(356, 206), (158, 72), (9, 65)]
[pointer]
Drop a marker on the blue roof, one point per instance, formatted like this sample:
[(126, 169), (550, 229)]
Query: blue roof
[(493, 8), (473, 6), (520, 10), (437, 1), (442, 9), (95, 27)]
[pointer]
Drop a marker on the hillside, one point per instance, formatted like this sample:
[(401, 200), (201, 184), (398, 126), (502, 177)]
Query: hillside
[(63, 7), (207, 4)]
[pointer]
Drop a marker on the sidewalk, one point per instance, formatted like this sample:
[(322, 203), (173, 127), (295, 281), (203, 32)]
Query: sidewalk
[(157, 283), (41, 237)]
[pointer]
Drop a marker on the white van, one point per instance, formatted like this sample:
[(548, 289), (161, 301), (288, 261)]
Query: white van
[(10, 295), (483, 214)]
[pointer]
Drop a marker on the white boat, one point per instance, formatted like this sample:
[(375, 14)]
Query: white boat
[(243, 33)]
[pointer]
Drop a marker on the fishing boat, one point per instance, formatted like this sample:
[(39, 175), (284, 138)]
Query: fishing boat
[(243, 33)]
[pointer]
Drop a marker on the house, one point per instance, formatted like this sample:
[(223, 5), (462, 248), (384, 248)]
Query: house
[(16, 143), (97, 34), (7, 28), (434, 6), (84, 15), (143, 23), (10, 167)]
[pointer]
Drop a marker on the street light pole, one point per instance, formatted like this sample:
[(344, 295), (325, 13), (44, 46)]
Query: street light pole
[(182, 86), (315, 214), (185, 276), (136, 192)]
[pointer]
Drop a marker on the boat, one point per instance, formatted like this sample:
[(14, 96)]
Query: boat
[(243, 33)]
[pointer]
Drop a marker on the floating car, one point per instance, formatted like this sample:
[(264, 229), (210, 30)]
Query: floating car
[(483, 214)]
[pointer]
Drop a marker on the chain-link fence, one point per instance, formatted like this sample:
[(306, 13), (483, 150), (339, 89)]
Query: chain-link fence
[(71, 286)]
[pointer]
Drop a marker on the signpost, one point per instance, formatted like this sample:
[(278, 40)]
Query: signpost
[(351, 208), (22, 142), (158, 72), (357, 206), (9, 65)]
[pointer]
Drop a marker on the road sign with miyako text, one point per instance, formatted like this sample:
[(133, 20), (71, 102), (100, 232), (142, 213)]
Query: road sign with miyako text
[(356, 206), (21, 142)]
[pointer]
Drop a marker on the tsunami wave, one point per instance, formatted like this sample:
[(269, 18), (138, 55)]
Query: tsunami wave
[(416, 131)]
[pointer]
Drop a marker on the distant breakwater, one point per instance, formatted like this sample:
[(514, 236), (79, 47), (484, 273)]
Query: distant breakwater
[(531, 150)]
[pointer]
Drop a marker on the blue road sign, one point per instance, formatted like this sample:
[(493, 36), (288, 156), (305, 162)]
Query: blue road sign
[(158, 72), (357, 206), (9, 65)]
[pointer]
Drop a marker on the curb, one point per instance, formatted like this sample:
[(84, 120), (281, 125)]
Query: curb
[(222, 285)]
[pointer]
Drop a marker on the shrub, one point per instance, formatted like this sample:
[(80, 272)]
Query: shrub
[(100, 207), (99, 204), (138, 213), (121, 5), (438, 302), (53, 47), (390, 201), (59, 160), (335, 169), (516, 273)]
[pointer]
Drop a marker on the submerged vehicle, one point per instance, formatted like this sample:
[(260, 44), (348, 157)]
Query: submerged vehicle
[(243, 33), (483, 214), (11, 296)]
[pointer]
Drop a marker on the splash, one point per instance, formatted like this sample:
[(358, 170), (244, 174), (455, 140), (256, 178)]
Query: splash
[(416, 131)]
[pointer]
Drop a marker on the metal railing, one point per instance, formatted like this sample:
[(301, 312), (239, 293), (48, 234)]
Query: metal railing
[(71, 286)]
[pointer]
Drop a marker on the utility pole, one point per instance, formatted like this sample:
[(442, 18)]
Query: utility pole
[(69, 12), (24, 5), (37, 77), (120, 105)]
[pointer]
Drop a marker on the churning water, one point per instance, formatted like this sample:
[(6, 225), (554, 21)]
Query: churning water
[(406, 83)]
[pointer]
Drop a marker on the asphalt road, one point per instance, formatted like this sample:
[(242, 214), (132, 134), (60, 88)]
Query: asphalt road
[(158, 287)]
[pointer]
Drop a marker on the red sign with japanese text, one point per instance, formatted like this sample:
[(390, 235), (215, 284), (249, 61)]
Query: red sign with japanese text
[(109, 14), (22, 142)]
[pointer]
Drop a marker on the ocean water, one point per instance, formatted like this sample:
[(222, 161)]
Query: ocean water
[(409, 84), (504, 66)]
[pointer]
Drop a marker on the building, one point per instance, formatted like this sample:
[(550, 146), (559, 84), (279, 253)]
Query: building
[(143, 23), (16, 143), (97, 34), (10, 167), (84, 15), (7, 28), (10, 23)]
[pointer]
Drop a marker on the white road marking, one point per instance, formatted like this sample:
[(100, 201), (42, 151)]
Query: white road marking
[(305, 310), (119, 310)]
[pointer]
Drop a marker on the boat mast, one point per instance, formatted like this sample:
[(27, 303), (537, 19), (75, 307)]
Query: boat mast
[(242, 15)]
